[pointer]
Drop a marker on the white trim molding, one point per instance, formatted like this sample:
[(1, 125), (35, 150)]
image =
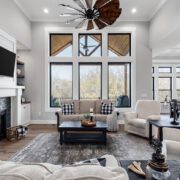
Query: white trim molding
[(42, 122)]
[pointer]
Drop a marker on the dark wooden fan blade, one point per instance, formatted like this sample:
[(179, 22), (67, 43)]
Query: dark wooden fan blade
[(80, 25), (89, 3), (100, 3), (79, 3), (100, 24), (110, 12), (90, 25)]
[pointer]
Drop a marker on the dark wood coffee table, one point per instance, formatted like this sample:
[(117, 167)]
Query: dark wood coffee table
[(174, 168), (164, 122), (73, 132)]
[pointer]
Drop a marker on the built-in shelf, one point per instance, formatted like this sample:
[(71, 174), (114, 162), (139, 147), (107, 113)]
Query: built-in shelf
[(20, 76), (20, 62), (28, 102)]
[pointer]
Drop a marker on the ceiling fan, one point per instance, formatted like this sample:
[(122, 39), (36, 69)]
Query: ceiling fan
[(86, 47), (93, 14)]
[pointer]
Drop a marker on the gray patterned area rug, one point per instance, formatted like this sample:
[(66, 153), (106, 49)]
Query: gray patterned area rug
[(45, 148)]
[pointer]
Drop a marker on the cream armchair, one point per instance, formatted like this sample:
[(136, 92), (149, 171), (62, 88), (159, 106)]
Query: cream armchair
[(171, 150), (137, 122)]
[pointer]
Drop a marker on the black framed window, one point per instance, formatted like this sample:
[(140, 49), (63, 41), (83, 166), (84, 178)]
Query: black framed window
[(153, 91), (165, 88), (119, 44), (152, 70), (61, 45), (61, 84), (178, 87), (119, 83), (90, 80), (90, 45), (165, 69)]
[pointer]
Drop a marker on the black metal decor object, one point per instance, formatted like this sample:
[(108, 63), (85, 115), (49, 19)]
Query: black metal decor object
[(174, 111), (157, 168)]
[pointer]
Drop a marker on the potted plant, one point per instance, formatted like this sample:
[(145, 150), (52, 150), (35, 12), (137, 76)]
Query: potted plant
[(87, 122), (87, 116)]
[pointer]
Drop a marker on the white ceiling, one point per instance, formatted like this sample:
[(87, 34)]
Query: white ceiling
[(34, 9)]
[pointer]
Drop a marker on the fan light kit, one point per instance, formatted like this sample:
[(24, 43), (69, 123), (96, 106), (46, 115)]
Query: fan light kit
[(46, 11), (93, 14)]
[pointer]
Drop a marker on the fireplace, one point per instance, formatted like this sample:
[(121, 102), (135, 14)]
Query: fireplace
[(2, 124)]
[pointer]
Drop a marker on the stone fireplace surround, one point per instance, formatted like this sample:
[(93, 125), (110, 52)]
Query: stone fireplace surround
[(5, 115)]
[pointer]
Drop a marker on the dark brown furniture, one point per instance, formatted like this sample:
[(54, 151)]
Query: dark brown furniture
[(174, 168), (73, 132), (160, 124)]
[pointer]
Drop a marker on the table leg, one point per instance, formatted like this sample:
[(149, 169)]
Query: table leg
[(104, 135), (161, 134), (61, 136), (150, 133)]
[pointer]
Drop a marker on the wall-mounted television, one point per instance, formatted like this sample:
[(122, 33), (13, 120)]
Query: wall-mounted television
[(7, 62)]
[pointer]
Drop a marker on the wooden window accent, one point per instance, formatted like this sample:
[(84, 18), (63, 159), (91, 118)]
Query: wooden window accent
[(119, 45), (61, 45)]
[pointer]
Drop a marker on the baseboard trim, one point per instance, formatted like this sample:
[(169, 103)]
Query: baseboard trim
[(43, 122)]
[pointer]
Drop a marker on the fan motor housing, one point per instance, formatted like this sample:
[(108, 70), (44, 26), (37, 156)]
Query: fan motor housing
[(90, 14)]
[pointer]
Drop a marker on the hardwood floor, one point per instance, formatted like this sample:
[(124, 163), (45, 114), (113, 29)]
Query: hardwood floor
[(7, 149)]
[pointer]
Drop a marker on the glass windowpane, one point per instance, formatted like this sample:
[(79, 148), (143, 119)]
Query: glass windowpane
[(90, 81), (90, 45), (61, 83), (119, 81)]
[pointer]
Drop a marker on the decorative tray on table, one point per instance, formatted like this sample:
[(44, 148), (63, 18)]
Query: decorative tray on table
[(88, 123)]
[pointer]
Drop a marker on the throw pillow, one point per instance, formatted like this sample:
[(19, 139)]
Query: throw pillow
[(106, 108), (68, 109)]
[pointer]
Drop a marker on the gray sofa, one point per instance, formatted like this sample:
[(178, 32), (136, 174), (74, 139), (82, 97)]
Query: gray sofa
[(83, 106)]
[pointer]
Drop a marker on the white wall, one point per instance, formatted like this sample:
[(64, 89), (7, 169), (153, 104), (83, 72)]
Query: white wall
[(143, 60), (35, 66), (15, 23), (165, 28)]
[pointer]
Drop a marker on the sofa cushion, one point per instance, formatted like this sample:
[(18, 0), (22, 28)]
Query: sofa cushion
[(100, 117), (98, 105), (73, 117), (76, 104), (85, 106), (139, 123)]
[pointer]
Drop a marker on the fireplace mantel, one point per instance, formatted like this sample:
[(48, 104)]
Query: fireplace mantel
[(11, 91), (15, 92)]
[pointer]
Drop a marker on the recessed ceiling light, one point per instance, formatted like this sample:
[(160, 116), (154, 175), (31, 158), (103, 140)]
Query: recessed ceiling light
[(46, 11), (134, 10)]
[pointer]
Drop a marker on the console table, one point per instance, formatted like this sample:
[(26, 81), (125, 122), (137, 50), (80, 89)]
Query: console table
[(160, 124)]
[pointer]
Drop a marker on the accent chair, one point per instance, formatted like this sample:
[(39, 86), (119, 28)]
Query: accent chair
[(137, 122)]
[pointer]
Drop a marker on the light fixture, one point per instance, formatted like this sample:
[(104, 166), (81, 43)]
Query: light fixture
[(93, 13), (46, 11), (134, 10)]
